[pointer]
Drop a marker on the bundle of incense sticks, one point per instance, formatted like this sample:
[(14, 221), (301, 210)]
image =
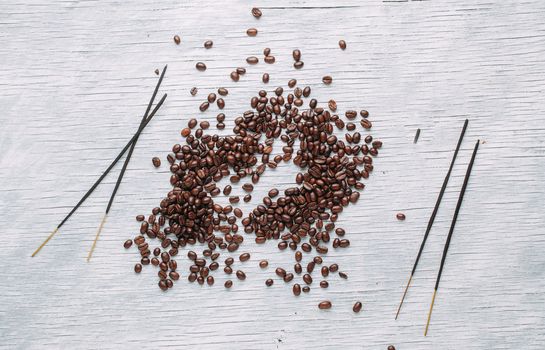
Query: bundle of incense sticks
[(130, 145)]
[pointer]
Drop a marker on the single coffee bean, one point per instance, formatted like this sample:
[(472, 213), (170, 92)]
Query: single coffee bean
[(127, 244), (241, 275), (357, 307), (200, 66), (263, 264), (221, 103), (211, 97), (265, 78), (248, 187), (140, 218), (364, 113), (251, 32), (366, 124), (174, 275), (235, 76), (296, 55), (204, 106), (343, 275), (400, 216), (298, 64), (307, 278), (256, 12), (210, 280), (228, 284), (324, 284), (269, 59), (333, 268), (306, 289), (342, 44), (266, 51), (156, 162), (228, 270), (269, 282), (252, 60), (163, 285), (244, 257), (296, 289), (137, 268), (241, 70), (323, 305), (208, 44), (177, 39), (292, 83), (193, 91), (351, 114), (280, 272), (192, 123), (204, 125), (391, 347), (327, 79)]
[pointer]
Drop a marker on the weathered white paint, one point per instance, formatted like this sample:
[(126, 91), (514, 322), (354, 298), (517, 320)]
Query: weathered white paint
[(76, 76)]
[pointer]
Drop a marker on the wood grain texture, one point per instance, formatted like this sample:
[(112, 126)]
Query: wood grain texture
[(76, 77)]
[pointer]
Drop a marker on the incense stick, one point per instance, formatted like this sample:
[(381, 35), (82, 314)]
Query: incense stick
[(433, 214), (88, 193), (125, 164), (453, 223)]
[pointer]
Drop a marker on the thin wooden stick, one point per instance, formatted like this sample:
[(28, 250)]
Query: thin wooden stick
[(416, 136), (88, 193), (453, 223), (125, 164), (434, 213)]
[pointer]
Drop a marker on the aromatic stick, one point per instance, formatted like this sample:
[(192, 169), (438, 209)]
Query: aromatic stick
[(125, 164), (453, 223), (433, 214), (88, 193), (417, 135)]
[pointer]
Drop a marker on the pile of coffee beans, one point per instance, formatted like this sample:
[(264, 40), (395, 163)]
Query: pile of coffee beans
[(301, 218)]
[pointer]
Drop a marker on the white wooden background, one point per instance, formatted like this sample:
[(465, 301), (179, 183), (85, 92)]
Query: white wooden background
[(75, 79)]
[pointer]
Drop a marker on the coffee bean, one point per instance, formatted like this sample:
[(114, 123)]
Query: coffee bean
[(292, 83), (208, 44), (235, 76), (351, 114), (244, 257), (252, 60), (204, 125), (342, 44), (357, 307), (296, 55), (204, 106), (211, 97), (137, 268), (256, 12), (400, 216), (323, 305), (177, 39), (192, 123), (263, 264), (327, 79), (307, 278), (251, 32), (127, 244), (343, 275), (366, 124), (298, 64), (174, 275), (265, 78), (221, 103), (156, 162), (228, 270), (364, 113), (269, 59), (296, 289), (280, 272), (193, 91), (200, 66), (269, 282), (140, 218), (228, 284), (157, 72), (391, 347), (333, 268), (324, 284), (241, 275), (248, 187)]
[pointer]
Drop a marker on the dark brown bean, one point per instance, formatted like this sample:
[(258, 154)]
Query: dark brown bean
[(327, 79), (177, 39), (248, 187), (266, 51), (210, 280), (391, 347), (235, 76), (298, 65), (343, 275), (251, 32), (252, 60), (127, 244), (269, 282), (138, 268), (244, 257), (400, 216), (323, 305), (296, 289), (342, 44), (280, 272), (296, 55), (156, 162), (351, 114), (263, 264), (292, 83), (228, 284), (256, 12), (221, 103), (241, 275), (241, 70), (192, 123), (332, 105), (204, 125), (174, 275), (364, 113), (193, 91), (265, 78), (357, 307), (204, 106), (269, 59), (200, 66), (307, 278), (324, 284), (333, 268), (211, 97), (140, 218), (208, 44)]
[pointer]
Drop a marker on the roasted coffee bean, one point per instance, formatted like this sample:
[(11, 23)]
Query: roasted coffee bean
[(298, 268), (296, 289), (324, 284), (266, 51), (241, 275), (292, 83), (127, 244), (156, 162), (327, 79), (251, 32), (296, 55), (235, 76), (269, 59), (241, 70), (252, 60), (140, 218), (208, 44), (204, 106), (265, 78), (333, 268), (307, 278), (177, 39), (351, 114), (204, 125), (298, 64), (157, 72), (193, 91), (244, 257), (200, 66), (323, 305), (211, 97), (192, 123), (332, 105), (269, 282), (280, 272), (155, 261), (364, 113), (228, 270), (366, 124), (248, 187), (357, 307), (400, 216), (256, 12), (174, 275), (263, 264), (342, 44), (325, 271), (163, 285), (391, 347), (228, 284), (138, 268), (343, 275)]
